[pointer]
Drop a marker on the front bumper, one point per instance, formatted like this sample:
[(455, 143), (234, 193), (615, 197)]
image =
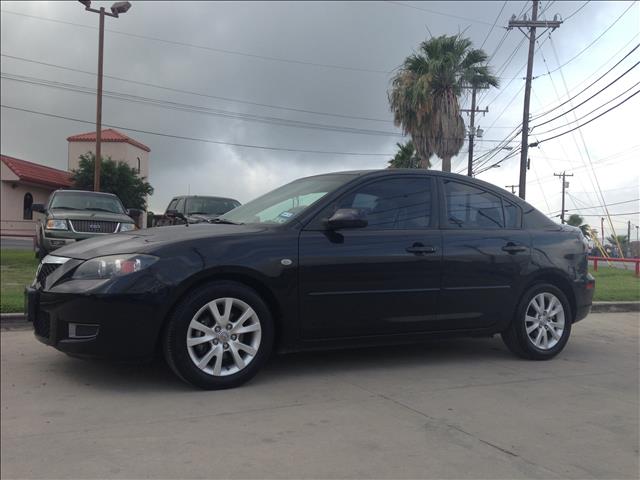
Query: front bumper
[(118, 326)]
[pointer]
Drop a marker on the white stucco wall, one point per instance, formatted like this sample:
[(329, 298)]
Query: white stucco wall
[(12, 194), (119, 151)]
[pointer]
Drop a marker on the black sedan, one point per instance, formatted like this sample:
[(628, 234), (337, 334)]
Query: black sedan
[(343, 259)]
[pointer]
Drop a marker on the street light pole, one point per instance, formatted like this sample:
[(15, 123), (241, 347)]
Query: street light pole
[(116, 9)]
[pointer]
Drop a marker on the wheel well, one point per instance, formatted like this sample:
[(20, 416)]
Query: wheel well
[(563, 284), (264, 293)]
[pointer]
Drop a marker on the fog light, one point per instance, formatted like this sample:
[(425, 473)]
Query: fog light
[(83, 330)]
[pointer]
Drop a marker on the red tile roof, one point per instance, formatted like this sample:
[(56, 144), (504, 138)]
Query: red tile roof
[(108, 135), (38, 174)]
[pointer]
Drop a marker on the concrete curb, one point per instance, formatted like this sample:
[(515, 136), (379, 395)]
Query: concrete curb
[(17, 320)]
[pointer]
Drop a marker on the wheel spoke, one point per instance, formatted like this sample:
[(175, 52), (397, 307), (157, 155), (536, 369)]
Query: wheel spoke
[(204, 361), (248, 313), (217, 366), (254, 327), (538, 337), (553, 332), (196, 325), (193, 341), (247, 348), (532, 327), (536, 305), (237, 358), (545, 339)]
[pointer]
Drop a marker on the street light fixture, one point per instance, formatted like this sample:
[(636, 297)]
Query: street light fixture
[(116, 9)]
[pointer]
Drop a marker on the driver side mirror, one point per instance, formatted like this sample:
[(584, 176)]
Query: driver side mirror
[(38, 207), (347, 218)]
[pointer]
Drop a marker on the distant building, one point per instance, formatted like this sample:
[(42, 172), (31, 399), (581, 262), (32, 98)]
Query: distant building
[(22, 184), (114, 144)]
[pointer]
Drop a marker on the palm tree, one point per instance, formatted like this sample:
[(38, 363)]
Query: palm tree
[(576, 220), (406, 156), (425, 91)]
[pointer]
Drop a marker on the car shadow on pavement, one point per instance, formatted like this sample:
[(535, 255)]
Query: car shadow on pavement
[(157, 376)]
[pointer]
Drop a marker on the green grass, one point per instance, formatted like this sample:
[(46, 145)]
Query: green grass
[(615, 284), (17, 269)]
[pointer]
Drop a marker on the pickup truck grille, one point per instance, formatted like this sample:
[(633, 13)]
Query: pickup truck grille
[(93, 226)]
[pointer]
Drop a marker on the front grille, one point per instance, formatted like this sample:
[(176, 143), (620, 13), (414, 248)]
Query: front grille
[(93, 226), (45, 270), (42, 324)]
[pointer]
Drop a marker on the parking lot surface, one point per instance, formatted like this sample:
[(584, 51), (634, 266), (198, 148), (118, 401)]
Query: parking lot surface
[(448, 409)]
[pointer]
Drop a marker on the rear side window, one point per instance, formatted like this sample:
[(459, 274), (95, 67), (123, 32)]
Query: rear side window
[(511, 215), (390, 204), (471, 207)]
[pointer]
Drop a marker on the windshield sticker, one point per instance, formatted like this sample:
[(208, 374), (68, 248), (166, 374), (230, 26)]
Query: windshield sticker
[(286, 214)]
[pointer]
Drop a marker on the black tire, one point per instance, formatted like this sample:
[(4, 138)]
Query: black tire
[(175, 336), (516, 337)]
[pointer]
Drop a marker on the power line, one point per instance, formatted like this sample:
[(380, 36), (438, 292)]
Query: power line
[(200, 94), (494, 24), (580, 8), (193, 139), (600, 206), (589, 121), (593, 42), (435, 12), (592, 111), (204, 47), (196, 108), (591, 84)]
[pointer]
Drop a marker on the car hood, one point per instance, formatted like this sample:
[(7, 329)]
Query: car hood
[(202, 217), (89, 215), (153, 240)]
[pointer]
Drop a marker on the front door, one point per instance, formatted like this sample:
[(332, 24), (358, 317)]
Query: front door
[(382, 279), (485, 256)]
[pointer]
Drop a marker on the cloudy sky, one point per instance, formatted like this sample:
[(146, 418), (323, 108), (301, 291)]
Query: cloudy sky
[(310, 77)]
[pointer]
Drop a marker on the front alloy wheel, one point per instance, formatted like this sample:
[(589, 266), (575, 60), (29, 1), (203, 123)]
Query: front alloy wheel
[(219, 336), (224, 336)]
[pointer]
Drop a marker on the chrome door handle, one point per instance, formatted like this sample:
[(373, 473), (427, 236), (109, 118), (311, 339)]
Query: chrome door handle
[(419, 249), (513, 248)]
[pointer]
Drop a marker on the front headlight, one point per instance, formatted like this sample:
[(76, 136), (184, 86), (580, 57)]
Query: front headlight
[(127, 227), (113, 266), (53, 224)]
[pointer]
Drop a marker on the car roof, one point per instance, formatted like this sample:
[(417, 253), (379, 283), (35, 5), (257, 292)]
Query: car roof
[(204, 196), (62, 190)]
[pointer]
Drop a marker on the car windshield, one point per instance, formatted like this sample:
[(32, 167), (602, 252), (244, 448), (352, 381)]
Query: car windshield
[(210, 205), (86, 201), (287, 202)]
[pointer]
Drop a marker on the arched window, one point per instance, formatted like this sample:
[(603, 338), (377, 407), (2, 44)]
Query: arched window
[(27, 213), (138, 165)]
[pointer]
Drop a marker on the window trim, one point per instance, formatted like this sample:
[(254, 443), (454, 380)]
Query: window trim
[(443, 206), (315, 224)]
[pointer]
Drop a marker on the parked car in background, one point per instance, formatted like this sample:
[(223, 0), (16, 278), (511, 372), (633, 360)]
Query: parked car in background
[(72, 215), (344, 259), (195, 209)]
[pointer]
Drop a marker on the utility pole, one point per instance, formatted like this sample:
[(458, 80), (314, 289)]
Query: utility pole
[(116, 9), (531, 25), (565, 184), (602, 230), (628, 238), (512, 187), (472, 130)]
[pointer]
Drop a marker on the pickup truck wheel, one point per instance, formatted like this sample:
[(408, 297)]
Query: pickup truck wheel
[(219, 336), (542, 324)]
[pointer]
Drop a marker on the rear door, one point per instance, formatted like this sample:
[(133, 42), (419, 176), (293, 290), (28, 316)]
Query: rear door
[(485, 256), (379, 280)]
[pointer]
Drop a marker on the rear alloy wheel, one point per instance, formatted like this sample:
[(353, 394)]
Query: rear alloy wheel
[(219, 336), (542, 325)]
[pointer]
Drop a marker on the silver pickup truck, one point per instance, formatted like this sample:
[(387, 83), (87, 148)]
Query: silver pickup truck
[(73, 215)]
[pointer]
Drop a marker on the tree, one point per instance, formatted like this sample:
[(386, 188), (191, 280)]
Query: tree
[(406, 157), (618, 242), (115, 177), (576, 220), (424, 96)]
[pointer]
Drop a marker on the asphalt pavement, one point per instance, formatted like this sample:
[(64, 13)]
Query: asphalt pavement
[(448, 409)]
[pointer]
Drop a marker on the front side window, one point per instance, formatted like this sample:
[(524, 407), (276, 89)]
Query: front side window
[(86, 201), (180, 205), (390, 204), (284, 204), (172, 204), (471, 207)]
